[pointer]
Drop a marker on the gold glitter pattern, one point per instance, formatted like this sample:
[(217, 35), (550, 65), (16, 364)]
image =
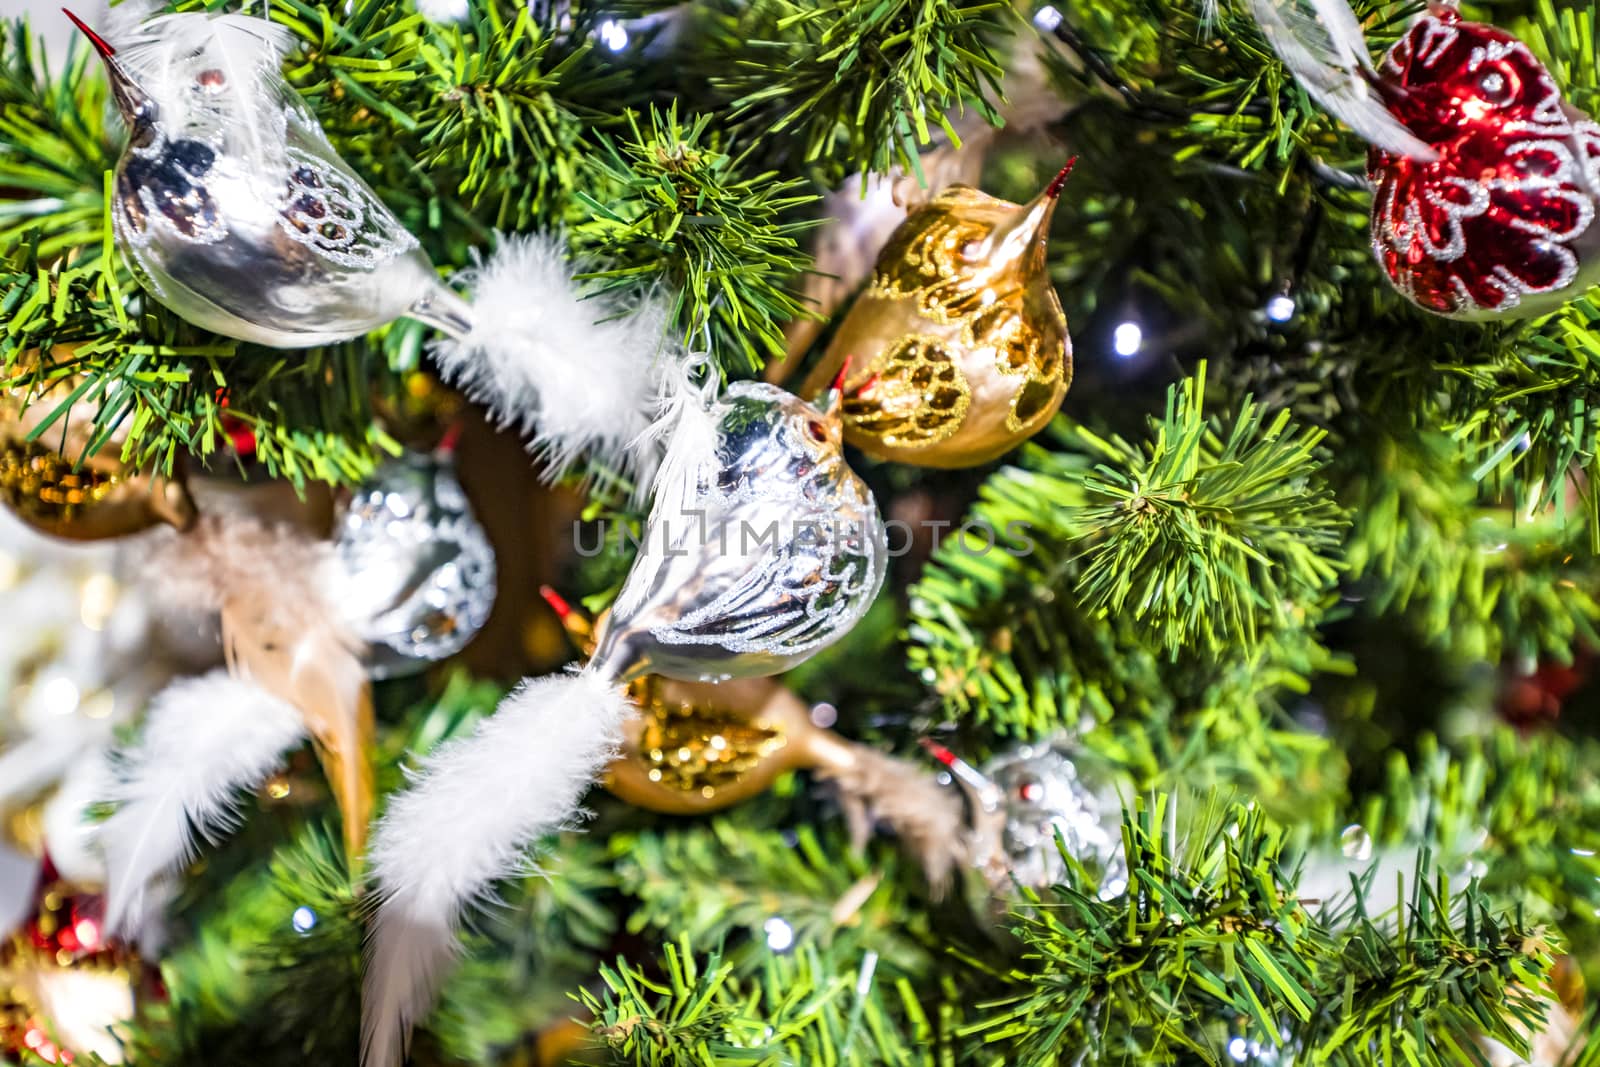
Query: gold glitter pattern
[(1021, 349), (951, 258), (919, 396), (926, 259), (40, 484), (700, 749)]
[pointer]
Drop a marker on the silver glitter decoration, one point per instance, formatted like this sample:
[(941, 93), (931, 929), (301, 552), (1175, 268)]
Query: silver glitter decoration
[(413, 573), (1036, 791), (776, 550)]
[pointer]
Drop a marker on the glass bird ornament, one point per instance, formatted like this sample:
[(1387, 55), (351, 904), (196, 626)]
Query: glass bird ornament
[(1485, 178), (232, 207), (762, 548), (958, 346)]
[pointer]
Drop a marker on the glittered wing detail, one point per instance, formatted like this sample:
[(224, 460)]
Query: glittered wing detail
[(1023, 348), (337, 216), (926, 262), (795, 599), (163, 187), (916, 396)]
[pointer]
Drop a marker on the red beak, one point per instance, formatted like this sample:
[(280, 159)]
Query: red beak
[(132, 100), (835, 394), (1059, 182), (100, 45)]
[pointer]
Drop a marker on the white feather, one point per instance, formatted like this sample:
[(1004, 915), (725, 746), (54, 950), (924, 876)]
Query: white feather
[(69, 833), (1344, 34), (688, 424), (580, 375), (204, 740), (1321, 43), (30, 766), (165, 54), (465, 823), (121, 24)]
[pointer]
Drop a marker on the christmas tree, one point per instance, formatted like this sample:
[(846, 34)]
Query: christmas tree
[(1029, 533)]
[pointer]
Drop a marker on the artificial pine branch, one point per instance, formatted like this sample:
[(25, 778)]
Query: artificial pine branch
[(806, 877), (547, 936), (1208, 534), (1526, 411), (673, 208), (1482, 582), (167, 388), (54, 145), (1028, 638), (261, 981), (461, 127), (1209, 945), (800, 1007), (839, 86), (1522, 811)]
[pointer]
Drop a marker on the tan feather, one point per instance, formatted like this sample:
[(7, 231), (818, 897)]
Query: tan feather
[(926, 816), (302, 659), (278, 631)]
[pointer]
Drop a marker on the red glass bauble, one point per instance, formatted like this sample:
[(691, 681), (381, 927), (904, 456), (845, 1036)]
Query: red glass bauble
[(1503, 221)]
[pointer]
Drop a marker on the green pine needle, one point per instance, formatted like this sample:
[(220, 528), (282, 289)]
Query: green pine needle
[(1209, 948), (673, 207), (1207, 533), (831, 81)]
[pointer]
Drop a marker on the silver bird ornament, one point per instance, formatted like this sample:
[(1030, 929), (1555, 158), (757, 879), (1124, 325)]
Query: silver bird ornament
[(233, 208), (765, 550), (235, 211), (411, 571), (762, 548)]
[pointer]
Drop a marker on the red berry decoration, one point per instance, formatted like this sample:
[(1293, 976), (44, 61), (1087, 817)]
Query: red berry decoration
[(1535, 699), (1486, 179), (1503, 221)]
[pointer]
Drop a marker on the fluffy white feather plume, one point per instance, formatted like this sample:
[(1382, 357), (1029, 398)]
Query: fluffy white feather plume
[(121, 22), (166, 53), (686, 423), (465, 823), (278, 629), (581, 376), (204, 741), (1321, 43)]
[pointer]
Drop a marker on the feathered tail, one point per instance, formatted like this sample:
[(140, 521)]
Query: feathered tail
[(1321, 43), (204, 740), (926, 816), (279, 631), (465, 823), (580, 376)]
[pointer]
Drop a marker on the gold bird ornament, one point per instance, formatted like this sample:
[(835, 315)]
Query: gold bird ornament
[(958, 347)]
